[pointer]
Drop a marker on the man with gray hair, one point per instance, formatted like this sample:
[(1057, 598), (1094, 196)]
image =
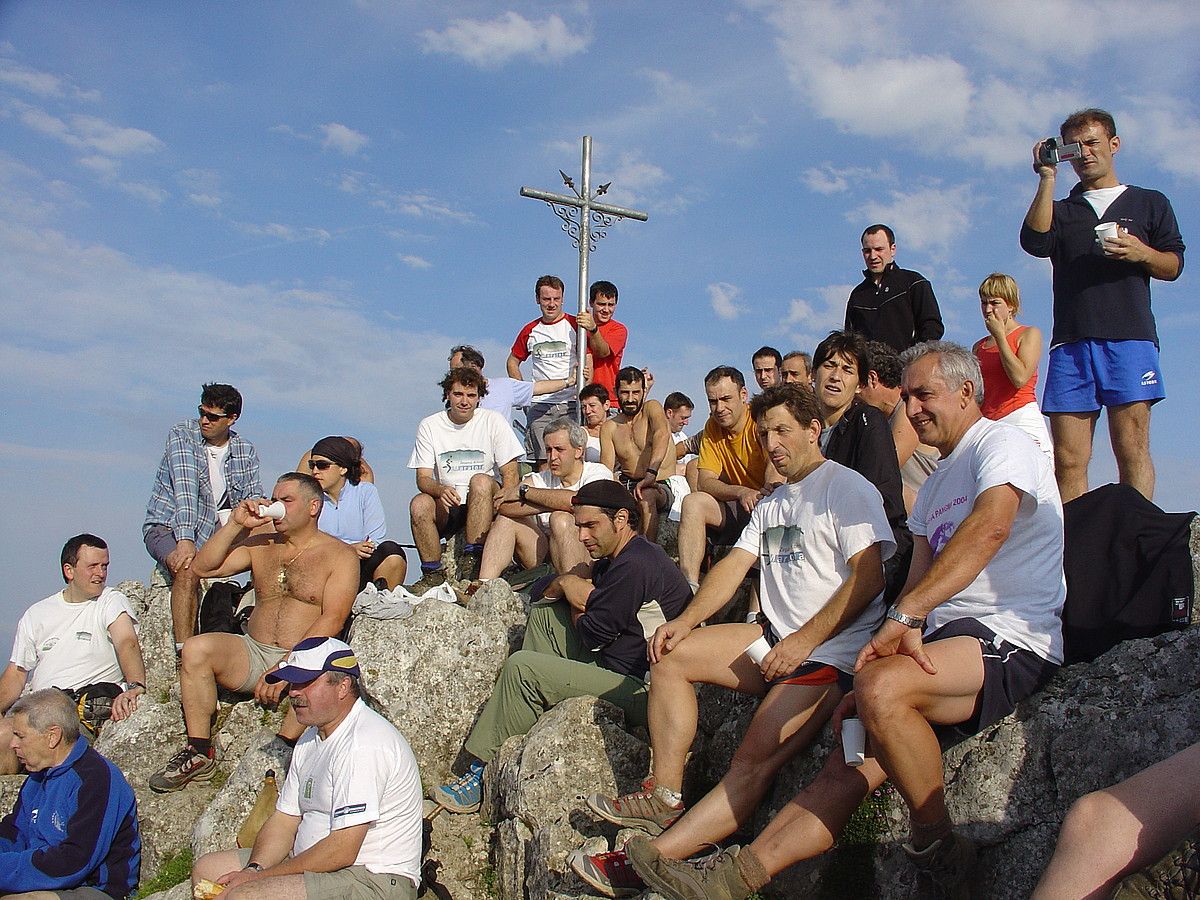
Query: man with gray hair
[(953, 654), (73, 833), (348, 819), (535, 518)]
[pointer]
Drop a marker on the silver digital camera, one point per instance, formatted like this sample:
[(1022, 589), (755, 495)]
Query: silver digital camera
[(1053, 153)]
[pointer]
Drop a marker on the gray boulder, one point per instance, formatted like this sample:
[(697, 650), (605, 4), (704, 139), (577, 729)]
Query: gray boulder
[(431, 673)]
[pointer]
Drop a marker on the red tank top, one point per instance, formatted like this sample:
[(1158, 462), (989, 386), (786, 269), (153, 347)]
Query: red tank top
[(999, 396)]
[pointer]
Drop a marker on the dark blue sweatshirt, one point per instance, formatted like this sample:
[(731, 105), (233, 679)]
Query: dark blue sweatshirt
[(73, 825), (1095, 296)]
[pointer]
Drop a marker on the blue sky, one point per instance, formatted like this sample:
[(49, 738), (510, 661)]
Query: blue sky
[(314, 200)]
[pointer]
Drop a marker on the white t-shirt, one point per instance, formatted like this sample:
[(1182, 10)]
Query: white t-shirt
[(506, 396), (1101, 198), (679, 437), (456, 452), (545, 479), (803, 534), (1020, 593), (592, 454), (363, 772), (216, 478), (553, 351), (67, 645)]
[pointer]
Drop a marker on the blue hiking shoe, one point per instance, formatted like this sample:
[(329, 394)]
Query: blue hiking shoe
[(463, 795)]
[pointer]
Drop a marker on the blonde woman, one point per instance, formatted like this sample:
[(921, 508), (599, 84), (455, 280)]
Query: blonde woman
[(1009, 358)]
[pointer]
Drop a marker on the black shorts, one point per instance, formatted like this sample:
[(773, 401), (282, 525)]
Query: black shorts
[(367, 567), (734, 520), (812, 673), (456, 521), (1010, 674), (665, 495)]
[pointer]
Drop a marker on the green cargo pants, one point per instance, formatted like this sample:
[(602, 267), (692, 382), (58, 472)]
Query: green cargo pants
[(551, 666)]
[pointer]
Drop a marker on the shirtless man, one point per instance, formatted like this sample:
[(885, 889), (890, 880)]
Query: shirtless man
[(305, 582), (637, 446)]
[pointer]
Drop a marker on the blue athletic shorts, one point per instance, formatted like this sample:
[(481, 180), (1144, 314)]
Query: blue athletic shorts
[(1085, 375)]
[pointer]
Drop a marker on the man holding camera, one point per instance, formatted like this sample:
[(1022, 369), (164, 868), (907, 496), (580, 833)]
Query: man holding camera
[(1106, 240)]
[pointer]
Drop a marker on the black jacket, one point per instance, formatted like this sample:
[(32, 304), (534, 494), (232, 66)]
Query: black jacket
[(901, 310)]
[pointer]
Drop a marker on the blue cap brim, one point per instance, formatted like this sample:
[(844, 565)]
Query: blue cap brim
[(292, 675)]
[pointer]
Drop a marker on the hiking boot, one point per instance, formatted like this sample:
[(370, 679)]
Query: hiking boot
[(428, 580), (462, 795), (712, 877), (947, 864), (644, 809), (189, 764), (609, 873), (1174, 877)]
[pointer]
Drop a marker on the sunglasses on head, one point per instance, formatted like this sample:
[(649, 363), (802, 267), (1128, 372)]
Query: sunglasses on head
[(319, 464), (211, 416)]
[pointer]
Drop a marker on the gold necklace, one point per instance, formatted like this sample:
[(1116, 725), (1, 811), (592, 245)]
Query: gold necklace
[(282, 577)]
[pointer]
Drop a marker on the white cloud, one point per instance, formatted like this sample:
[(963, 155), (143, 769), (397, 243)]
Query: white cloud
[(104, 167), (723, 297), (810, 319), (414, 262), (489, 44), (930, 219), (1158, 129), (41, 84), (344, 140), (419, 204), (208, 201), (288, 234), (89, 132), (150, 193)]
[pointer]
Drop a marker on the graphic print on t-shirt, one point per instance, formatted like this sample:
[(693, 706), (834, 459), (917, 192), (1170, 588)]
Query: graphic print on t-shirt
[(783, 543), (547, 351), (941, 534), (452, 463)]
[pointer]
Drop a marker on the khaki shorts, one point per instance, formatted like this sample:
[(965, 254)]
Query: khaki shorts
[(260, 657), (355, 882)]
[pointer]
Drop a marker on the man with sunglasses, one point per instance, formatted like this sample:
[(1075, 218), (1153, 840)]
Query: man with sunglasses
[(206, 471)]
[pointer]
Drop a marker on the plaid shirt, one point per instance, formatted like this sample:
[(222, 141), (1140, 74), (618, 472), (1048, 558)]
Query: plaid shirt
[(182, 495)]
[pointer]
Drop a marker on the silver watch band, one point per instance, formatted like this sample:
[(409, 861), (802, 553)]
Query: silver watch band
[(907, 621)]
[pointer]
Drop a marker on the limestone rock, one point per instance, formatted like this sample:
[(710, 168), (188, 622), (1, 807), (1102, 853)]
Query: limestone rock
[(218, 825), (182, 891), (432, 672), (536, 787)]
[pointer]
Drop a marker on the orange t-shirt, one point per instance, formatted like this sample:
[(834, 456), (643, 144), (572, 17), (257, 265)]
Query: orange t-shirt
[(738, 457), (999, 396)]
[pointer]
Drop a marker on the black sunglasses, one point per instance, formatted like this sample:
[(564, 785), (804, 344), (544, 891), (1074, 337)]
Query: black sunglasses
[(211, 416), (319, 464)]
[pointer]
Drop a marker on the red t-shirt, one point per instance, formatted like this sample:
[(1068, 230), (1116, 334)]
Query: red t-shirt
[(999, 396), (604, 371)]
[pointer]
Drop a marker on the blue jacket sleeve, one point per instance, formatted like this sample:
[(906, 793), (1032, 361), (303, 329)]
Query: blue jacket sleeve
[(85, 838)]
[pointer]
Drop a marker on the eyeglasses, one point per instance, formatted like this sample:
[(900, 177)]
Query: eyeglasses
[(211, 416), (319, 464)]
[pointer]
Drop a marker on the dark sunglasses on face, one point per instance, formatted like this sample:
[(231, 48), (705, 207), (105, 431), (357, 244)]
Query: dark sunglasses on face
[(319, 464), (211, 416)]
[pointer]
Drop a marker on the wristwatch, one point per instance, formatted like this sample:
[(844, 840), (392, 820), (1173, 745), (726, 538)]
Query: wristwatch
[(130, 685), (522, 491), (907, 621), (252, 866)]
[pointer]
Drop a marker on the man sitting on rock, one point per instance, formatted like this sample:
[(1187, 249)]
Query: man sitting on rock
[(535, 519), (636, 444), (305, 582), (734, 473), (976, 631), (348, 819), (73, 832), (588, 639), (463, 456), (207, 469), (819, 541), (83, 636)]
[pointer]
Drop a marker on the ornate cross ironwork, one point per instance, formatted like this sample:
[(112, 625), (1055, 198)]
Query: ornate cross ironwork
[(585, 221)]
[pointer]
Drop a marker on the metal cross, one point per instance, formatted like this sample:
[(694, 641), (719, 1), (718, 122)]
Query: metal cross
[(586, 222)]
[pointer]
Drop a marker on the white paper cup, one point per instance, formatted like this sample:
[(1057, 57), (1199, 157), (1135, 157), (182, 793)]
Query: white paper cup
[(758, 650), (1106, 231), (274, 511), (854, 741)]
